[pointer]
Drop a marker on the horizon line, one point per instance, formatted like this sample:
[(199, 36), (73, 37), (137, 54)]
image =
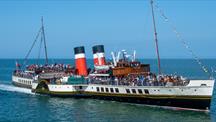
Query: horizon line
[(106, 58)]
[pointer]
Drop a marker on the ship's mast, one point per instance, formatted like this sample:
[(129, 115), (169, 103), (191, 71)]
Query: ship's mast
[(44, 40), (155, 37)]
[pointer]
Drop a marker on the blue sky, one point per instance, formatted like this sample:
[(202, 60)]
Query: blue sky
[(118, 24)]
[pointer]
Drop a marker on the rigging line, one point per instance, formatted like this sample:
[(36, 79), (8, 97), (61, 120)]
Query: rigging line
[(182, 40), (44, 39), (155, 37), (26, 57), (40, 46)]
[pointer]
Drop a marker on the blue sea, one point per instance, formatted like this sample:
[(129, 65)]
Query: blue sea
[(20, 105)]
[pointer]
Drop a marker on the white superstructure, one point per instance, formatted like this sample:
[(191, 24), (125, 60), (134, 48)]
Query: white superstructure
[(22, 81)]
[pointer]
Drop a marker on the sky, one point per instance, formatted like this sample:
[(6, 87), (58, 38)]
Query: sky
[(117, 24)]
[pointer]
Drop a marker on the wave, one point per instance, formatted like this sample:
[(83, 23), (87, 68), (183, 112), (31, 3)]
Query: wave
[(11, 88)]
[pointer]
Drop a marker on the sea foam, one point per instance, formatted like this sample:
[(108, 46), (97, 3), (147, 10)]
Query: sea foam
[(11, 88)]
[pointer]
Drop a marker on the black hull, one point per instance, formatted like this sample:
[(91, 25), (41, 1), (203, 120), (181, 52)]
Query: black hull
[(191, 102), (21, 85), (183, 103)]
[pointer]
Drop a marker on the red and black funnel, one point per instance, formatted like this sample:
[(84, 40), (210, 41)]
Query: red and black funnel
[(98, 55), (80, 60)]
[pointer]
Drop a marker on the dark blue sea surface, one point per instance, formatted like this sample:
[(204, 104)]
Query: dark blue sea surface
[(19, 104)]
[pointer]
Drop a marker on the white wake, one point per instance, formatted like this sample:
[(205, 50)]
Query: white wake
[(11, 88)]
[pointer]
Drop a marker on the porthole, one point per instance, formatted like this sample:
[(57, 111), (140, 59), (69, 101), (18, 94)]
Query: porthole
[(111, 90), (140, 91), (128, 90), (116, 90), (102, 89), (146, 91), (107, 89), (98, 89), (134, 91)]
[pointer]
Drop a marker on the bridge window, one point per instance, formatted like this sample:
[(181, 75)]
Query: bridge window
[(203, 85)]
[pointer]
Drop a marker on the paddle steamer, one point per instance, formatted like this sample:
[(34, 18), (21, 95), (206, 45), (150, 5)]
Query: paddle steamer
[(126, 81)]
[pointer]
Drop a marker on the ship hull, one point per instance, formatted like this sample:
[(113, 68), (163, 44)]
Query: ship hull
[(191, 102), (193, 97)]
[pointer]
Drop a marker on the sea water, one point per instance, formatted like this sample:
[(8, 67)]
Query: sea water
[(19, 104)]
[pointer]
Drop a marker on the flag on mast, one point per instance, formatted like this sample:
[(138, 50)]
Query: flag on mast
[(17, 64)]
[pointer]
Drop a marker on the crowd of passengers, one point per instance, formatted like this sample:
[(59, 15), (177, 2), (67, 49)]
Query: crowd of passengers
[(49, 68), (23, 74), (36, 69), (143, 80)]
